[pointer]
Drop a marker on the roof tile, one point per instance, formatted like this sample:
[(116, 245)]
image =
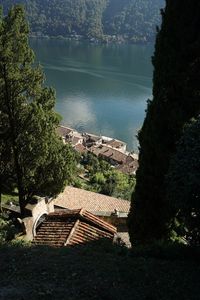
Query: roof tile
[(69, 228), (74, 198)]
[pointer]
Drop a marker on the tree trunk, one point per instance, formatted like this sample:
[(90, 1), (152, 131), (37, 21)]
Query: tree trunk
[(22, 204), (18, 170)]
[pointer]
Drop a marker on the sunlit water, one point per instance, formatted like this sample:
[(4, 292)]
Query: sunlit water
[(100, 89)]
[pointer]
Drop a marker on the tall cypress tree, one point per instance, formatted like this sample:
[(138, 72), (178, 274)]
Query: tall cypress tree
[(176, 99), (183, 185), (39, 162)]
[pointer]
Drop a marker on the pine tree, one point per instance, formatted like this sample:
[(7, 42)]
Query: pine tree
[(40, 163), (176, 99)]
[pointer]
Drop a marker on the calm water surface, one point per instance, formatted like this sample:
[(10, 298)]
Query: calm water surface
[(100, 89)]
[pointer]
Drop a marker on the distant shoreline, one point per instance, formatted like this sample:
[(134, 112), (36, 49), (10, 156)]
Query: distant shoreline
[(82, 133), (111, 150), (96, 41)]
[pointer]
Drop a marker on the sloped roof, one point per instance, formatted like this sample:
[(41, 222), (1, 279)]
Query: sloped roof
[(63, 131), (76, 139), (70, 228), (74, 198), (108, 152), (92, 137), (115, 143), (128, 167), (80, 148)]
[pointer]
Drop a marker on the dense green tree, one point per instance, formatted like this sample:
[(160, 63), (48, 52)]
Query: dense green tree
[(5, 150), (176, 99), (118, 184), (105, 179), (134, 20), (39, 161), (7, 229), (5, 166), (183, 185)]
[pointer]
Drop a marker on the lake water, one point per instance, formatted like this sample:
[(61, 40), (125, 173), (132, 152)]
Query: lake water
[(100, 89)]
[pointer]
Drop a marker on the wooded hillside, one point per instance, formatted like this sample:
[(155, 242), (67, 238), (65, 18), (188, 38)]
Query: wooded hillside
[(133, 20)]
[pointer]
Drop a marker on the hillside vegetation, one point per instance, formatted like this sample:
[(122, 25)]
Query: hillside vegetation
[(133, 20)]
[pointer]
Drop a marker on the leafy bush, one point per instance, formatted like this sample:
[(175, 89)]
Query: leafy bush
[(7, 229)]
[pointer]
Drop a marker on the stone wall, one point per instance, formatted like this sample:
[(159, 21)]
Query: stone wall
[(34, 211)]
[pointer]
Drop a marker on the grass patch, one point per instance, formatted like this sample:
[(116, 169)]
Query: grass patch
[(9, 197), (96, 271)]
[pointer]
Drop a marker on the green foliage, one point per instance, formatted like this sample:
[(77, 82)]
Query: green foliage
[(33, 156), (133, 19), (176, 90), (183, 185), (63, 18), (99, 178), (10, 197), (7, 229), (93, 164), (106, 180), (118, 184)]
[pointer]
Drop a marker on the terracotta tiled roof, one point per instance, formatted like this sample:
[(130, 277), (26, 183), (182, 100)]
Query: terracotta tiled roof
[(96, 150), (109, 153), (63, 131), (69, 228), (115, 143), (80, 148), (75, 140), (129, 167), (74, 198)]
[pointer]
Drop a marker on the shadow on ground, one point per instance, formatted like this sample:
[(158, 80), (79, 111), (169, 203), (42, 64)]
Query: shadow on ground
[(96, 271)]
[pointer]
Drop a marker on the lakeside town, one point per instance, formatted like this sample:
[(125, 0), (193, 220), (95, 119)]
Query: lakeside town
[(112, 150)]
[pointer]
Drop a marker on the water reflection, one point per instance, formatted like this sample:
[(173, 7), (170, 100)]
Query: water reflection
[(77, 113), (100, 88)]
